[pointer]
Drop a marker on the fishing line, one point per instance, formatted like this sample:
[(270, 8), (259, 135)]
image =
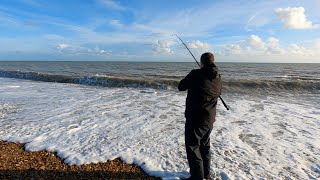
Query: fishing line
[(225, 105)]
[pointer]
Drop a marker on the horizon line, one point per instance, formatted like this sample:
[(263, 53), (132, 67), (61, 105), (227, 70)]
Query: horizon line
[(120, 61)]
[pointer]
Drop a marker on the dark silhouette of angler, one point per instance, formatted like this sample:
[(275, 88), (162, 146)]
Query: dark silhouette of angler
[(225, 105)]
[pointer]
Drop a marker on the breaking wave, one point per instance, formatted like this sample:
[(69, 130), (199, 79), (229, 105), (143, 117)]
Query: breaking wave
[(97, 80), (229, 84)]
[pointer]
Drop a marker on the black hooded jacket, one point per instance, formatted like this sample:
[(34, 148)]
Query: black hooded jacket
[(204, 87)]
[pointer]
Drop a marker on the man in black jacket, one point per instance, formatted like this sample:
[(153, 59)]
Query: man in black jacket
[(204, 87)]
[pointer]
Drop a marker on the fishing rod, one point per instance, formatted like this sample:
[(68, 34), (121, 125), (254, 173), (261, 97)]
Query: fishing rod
[(225, 105)]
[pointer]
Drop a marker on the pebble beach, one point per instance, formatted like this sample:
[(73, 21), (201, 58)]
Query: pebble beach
[(16, 163)]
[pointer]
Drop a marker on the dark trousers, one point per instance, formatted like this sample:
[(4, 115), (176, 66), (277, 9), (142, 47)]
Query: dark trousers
[(197, 140)]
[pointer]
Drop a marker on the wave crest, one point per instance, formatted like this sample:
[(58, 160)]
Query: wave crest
[(229, 84)]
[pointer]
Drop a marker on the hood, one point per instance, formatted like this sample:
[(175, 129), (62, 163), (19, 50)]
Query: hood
[(210, 71)]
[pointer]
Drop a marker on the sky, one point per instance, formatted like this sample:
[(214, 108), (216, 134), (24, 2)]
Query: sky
[(280, 31)]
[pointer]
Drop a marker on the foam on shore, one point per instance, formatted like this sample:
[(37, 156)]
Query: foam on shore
[(260, 137)]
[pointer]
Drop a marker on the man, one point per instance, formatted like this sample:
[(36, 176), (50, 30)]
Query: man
[(204, 87)]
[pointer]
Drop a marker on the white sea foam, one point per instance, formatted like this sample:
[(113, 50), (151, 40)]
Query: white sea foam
[(269, 137)]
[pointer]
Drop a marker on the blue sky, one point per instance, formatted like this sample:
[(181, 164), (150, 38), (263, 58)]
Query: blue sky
[(141, 30)]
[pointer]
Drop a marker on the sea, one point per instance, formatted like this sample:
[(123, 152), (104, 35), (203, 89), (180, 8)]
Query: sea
[(89, 112)]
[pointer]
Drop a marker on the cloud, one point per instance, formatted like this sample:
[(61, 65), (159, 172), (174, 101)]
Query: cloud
[(146, 28), (255, 42), (116, 23), (197, 48), (232, 49), (254, 47), (295, 49), (162, 47), (317, 45), (273, 46), (198, 45), (197, 21), (79, 50), (257, 20), (112, 4), (294, 18), (8, 20), (101, 51), (63, 46)]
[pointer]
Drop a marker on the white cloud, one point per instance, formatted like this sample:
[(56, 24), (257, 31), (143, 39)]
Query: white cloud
[(147, 26), (100, 51), (273, 46), (317, 45), (255, 42), (273, 42), (295, 49), (116, 23), (162, 47), (63, 46), (198, 45), (78, 50), (232, 49), (7, 20), (257, 20), (111, 4), (294, 18), (198, 20), (272, 51)]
